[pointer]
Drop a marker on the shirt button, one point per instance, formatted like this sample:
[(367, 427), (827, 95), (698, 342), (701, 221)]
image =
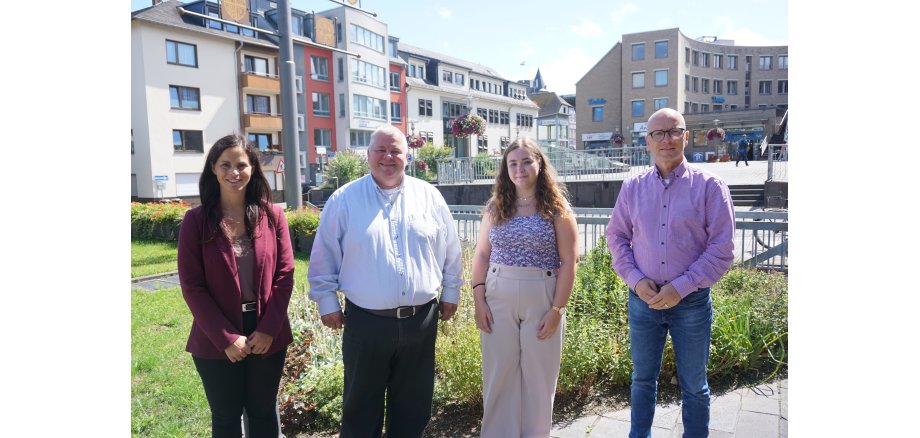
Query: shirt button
[(662, 263), (665, 206), (404, 293)]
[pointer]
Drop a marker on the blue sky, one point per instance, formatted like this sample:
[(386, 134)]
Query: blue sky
[(563, 38)]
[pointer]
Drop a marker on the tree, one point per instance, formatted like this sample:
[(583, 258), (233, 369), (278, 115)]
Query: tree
[(347, 166), (429, 154)]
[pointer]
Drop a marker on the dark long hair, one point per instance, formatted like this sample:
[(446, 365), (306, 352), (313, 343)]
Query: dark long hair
[(258, 199), (550, 196)]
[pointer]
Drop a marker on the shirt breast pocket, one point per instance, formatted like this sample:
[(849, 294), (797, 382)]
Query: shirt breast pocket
[(423, 226)]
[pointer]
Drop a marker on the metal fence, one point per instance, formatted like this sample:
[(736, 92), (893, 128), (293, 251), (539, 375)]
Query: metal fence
[(777, 162), (760, 236), (570, 164)]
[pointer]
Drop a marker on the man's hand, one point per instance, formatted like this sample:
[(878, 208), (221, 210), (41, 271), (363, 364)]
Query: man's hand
[(666, 299), (447, 310), (259, 342), (646, 289), (334, 320), (238, 350)]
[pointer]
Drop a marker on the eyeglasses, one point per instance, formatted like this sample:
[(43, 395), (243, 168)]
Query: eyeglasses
[(675, 133)]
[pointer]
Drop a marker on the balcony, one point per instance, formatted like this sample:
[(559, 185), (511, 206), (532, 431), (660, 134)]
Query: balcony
[(262, 122), (260, 83)]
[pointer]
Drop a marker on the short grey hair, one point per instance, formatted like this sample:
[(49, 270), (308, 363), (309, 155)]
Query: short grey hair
[(391, 131)]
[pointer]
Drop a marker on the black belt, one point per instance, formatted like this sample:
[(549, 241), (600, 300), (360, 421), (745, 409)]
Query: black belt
[(249, 307), (398, 313)]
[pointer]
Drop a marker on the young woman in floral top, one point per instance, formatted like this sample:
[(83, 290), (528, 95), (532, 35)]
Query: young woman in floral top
[(523, 273)]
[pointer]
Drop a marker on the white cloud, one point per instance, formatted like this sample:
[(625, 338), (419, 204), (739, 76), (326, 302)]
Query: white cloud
[(743, 36), (625, 10), (526, 51), (569, 66), (587, 28), (445, 13)]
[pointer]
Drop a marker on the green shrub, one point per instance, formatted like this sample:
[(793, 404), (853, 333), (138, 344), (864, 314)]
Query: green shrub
[(302, 221), (157, 220), (347, 166), (430, 154)]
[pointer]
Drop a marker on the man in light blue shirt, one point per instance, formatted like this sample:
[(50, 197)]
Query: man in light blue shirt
[(388, 242)]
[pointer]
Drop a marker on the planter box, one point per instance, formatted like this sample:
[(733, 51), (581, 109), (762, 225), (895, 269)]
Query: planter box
[(302, 242)]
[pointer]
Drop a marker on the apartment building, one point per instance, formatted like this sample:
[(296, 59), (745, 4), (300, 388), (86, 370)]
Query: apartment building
[(742, 89), (556, 120), (440, 87)]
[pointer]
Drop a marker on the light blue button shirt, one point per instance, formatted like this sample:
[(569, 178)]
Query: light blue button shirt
[(384, 255)]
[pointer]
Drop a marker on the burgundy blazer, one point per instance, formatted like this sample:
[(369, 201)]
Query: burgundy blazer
[(208, 275)]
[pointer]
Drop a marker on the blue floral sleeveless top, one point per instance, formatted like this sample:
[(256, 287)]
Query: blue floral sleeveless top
[(525, 241)]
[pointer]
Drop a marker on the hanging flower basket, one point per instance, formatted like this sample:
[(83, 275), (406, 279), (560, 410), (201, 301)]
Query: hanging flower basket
[(618, 139), (414, 141), (467, 125), (715, 133)]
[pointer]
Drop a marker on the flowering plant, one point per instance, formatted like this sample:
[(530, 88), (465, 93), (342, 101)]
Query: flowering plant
[(415, 141), (618, 139), (714, 133), (467, 124)]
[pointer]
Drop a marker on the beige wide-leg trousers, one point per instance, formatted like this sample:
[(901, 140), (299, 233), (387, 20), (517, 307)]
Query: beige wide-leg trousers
[(519, 371)]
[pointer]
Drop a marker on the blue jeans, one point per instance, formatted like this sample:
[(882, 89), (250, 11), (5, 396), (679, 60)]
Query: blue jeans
[(690, 325)]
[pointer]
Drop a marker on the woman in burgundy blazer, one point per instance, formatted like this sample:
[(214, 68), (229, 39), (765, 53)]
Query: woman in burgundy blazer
[(236, 269)]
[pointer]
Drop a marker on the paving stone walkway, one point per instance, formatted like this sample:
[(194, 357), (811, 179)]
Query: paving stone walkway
[(755, 412)]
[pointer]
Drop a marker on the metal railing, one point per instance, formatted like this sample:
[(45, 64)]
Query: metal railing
[(760, 236), (777, 162), (570, 164)]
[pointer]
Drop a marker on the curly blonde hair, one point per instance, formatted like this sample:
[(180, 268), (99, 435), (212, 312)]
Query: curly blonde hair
[(550, 196)]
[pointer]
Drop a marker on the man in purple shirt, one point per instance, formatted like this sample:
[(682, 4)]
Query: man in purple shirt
[(671, 237)]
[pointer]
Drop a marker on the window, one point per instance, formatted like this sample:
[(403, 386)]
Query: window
[(181, 53), (493, 116), (527, 120), (638, 52), (765, 87), (361, 138), (693, 107), (395, 84), (424, 107), (716, 107), (696, 57), (597, 114), (687, 82), (301, 122), (391, 48), (732, 87), (256, 65), (766, 63), (341, 69), (704, 107), (661, 49), (258, 104), (320, 104), (716, 86), (184, 98), (696, 84), (368, 73), (504, 118), (661, 78), (427, 135), (322, 137), (638, 79), (504, 141), (187, 141), (732, 62), (262, 141), (366, 38), (482, 143), (705, 84), (482, 112), (298, 84), (661, 103), (319, 68), (396, 111), (705, 57), (447, 76), (638, 108), (782, 86), (369, 107), (341, 105), (717, 61), (733, 106), (459, 79), (687, 58), (686, 107), (338, 32), (782, 62)]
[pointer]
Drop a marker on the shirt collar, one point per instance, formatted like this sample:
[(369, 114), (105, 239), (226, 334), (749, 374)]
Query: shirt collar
[(678, 171)]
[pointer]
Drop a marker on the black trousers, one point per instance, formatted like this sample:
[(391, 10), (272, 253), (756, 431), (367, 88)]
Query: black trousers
[(388, 360), (251, 383)]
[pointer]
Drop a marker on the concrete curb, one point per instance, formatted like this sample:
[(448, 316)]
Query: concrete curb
[(153, 276)]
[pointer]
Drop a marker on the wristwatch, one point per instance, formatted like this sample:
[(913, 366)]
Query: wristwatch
[(559, 310)]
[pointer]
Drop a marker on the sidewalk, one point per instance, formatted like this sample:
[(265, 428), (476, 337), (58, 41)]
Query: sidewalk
[(759, 412)]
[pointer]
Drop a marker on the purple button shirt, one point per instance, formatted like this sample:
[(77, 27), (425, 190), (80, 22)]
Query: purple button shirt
[(680, 233)]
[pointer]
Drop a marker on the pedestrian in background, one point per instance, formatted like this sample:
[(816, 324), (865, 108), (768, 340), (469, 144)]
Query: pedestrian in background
[(743, 146), (523, 272), (236, 269), (389, 243), (671, 237)]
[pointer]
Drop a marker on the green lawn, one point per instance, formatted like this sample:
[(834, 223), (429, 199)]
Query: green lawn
[(150, 257)]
